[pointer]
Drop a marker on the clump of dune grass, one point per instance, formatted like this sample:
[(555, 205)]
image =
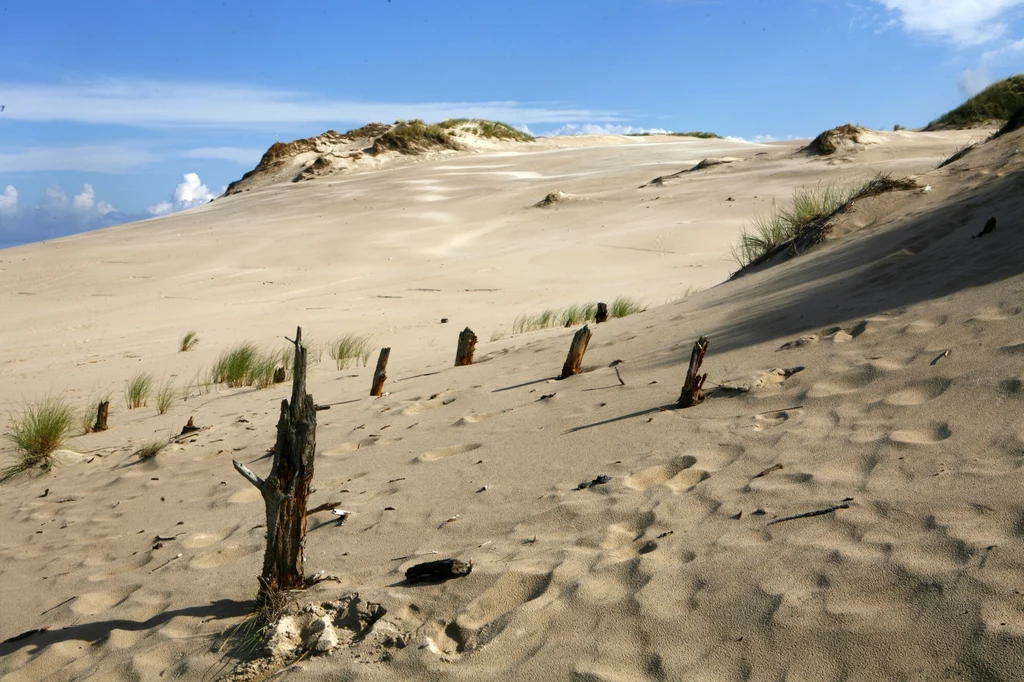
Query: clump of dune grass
[(808, 204), (165, 396), (41, 429), (151, 449), (526, 322), (415, 136), (577, 313), (498, 335), (702, 134), (623, 306), (997, 102), (188, 341), (88, 415), (138, 390), (958, 153), (349, 348), (245, 364)]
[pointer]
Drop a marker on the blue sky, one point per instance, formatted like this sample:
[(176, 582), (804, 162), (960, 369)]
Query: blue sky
[(114, 111)]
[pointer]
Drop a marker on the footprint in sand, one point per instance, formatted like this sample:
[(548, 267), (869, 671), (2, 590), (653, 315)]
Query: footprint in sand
[(476, 418), (222, 556), (677, 475), (933, 433), (352, 446), (445, 453), (508, 592), (92, 603), (995, 314), (919, 392), (769, 420), (847, 382), (925, 324), (1013, 349)]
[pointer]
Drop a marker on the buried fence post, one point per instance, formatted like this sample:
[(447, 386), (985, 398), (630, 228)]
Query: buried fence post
[(102, 411), (602, 313), (694, 380), (467, 345), (576, 351), (286, 490), (380, 374)]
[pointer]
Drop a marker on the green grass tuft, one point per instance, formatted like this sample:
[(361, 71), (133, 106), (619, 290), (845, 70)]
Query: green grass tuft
[(623, 306), (151, 449), (348, 348), (577, 313), (997, 102), (413, 137), (165, 397), (138, 390), (245, 364), (188, 341), (40, 430)]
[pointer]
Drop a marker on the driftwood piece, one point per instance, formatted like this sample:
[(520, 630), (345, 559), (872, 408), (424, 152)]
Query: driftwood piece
[(602, 313), (807, 515), (102, 412), (280, 375), (467, 346), (380, 375), (990, 227), (694, 379), (189, 428), (575, 358), (286, 490), (438, 570)]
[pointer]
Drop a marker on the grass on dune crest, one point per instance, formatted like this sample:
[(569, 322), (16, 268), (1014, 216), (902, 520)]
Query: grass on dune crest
[(36, 433), (998, 102), (245, 364), (808, 205)]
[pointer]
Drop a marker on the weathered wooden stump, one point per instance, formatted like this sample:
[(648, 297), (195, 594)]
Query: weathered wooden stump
[(102, 412), (280, 375), (694, 380), (286, 490), (575, 358), (467, 346), (380, 374), (602, 313)]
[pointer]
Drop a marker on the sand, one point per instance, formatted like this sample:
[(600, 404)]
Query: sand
[(670, 570)]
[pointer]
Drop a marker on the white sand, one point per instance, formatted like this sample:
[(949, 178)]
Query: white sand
[(921, 578)]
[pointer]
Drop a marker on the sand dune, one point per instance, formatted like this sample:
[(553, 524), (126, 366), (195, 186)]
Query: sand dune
[(668, 571)]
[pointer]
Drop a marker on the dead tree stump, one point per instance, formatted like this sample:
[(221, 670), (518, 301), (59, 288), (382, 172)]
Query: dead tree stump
[(280, 375), (102, 412), (694, 380), (576, 351), (467, 346), (380, 374), (286, 490), (602, 313)]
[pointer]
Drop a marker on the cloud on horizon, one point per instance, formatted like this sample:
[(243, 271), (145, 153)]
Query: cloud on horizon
[(56, 215), (599, 129), (245, 156), (99, 158), (965, 23), (153, 104), (189, 193)]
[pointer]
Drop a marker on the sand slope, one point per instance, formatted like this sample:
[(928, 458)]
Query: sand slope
[(669, 571)]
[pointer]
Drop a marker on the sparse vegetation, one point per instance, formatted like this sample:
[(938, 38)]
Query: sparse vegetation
[(897, 128), (413, 137), (577, 313), (88, 414), (41, 429), (834, 139), (138, 390), (623, 306), (165, 396), (1015, 122), (809, 207), (188, 341), (768, 231), (704, 135), (151, 449), (368, 130), (245, 364), (958, 153), (998, 102), (498, 335), (348, 348)]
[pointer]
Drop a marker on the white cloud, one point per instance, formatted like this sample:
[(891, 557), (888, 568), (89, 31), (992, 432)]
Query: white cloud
[(962, 22), (101, 158), (604, 129), (54, 216), (152, 104), (973, 81), (189, 193), (9, 200), (245, 156)]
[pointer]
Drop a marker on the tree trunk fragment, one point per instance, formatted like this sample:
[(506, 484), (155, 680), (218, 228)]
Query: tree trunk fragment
[(575, 358), (694, 380), (380, 374), (467, 346)]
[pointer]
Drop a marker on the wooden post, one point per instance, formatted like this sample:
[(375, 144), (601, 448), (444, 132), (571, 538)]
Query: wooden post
[(101, 416), (380, 374), (467, 345), (286, 490), (576, 351), (602, 313), (694, 380)]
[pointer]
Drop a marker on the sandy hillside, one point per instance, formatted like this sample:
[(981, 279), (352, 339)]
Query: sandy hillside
[(841, 390)]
